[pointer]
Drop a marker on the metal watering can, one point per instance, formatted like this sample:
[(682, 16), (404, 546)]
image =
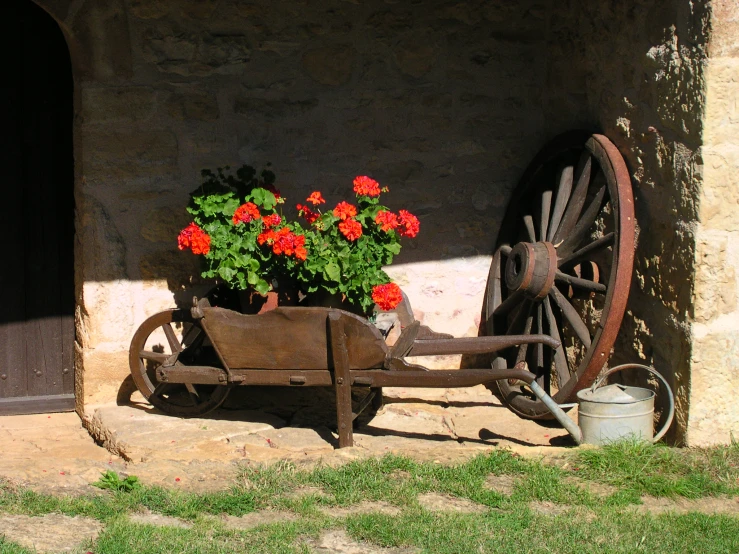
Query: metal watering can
[(612, 412)]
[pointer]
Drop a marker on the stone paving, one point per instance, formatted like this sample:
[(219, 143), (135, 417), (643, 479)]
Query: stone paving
[(54, 452)]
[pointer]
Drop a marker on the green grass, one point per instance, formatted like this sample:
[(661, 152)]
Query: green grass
[(508, 524)]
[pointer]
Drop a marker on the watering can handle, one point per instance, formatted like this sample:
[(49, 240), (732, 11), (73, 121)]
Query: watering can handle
[(671, 412)]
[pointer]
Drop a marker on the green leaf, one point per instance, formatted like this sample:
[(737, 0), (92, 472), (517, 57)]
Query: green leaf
[(262, 287), (393, 247), (226, 273), (332, 271), (264, 198)]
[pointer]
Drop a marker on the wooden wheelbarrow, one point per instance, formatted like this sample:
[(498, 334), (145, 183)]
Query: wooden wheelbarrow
[(555, 298)]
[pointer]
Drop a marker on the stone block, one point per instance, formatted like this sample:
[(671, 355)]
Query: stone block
[(101, 30), (180, 269), (715, 278), (416, 55), (713, 385), (149, 9), (721, 188), (103, 248), (272, 109), (725, 28), (330, 65), (125, 154), (198, 9), (101, 105), (190, 105), (164, 224)]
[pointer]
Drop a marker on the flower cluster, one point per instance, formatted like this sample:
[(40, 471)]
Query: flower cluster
[(247, 243), (284, 242), (246, 213), (387, 296), (364, 186), (194, 238)]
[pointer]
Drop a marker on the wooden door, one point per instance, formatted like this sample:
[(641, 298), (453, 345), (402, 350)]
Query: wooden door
[(36, 214)]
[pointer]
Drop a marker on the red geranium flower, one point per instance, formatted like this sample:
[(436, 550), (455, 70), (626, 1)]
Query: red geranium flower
[(364, 186), (309, 215), (271, 220), (387, 296), (245, 213), (408, 224), (344, 210), (195, 238), (351, 229), (284, 242), (386, 220), (315, 198)]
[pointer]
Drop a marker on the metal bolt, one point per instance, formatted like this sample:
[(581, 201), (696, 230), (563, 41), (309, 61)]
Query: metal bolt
[(65, 371), (340, 380), (3, 376)]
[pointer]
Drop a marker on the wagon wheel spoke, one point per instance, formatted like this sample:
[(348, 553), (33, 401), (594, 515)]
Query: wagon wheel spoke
[(528, 222), (160, 389), (577, 282), (193, 333), (560, 203), (193, 393), (172, 339), (158, 357), (586, 222), (528, 324), (520, 319), (539, 349), (508, 304), (582, 254), (546, 207), (560, 360), (573, 318), (577, 198)]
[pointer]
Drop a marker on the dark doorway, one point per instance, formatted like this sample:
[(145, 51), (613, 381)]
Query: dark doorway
[(36, 215)]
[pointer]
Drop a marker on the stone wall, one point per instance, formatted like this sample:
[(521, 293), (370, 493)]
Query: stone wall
[(715, 357), (635, 70), (440, 101)]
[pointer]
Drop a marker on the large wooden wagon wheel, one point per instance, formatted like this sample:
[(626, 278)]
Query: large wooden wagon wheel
[(562, 267), (164, 337)]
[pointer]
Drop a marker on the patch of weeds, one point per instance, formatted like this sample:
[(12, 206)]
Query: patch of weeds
[(7, 547), (123, 537), (110, 480), (523, 531), (659, 470)]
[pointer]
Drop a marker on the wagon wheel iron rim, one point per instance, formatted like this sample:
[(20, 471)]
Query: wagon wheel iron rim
[(172, 336), (562, 266)]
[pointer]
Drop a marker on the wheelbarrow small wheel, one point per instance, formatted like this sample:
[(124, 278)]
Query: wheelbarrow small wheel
[(562, 266), (173, 336)]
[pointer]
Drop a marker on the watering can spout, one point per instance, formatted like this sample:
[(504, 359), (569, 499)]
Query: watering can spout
[(572, 428)]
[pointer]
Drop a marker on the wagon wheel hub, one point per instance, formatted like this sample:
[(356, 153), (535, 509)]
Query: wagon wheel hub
[(531, 268)]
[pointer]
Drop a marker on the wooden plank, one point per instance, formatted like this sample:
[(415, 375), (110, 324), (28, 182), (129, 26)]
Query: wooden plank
[(293, 338), (476, 345), (37, 404), (342, 381), (12, 316), (437, 379)]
